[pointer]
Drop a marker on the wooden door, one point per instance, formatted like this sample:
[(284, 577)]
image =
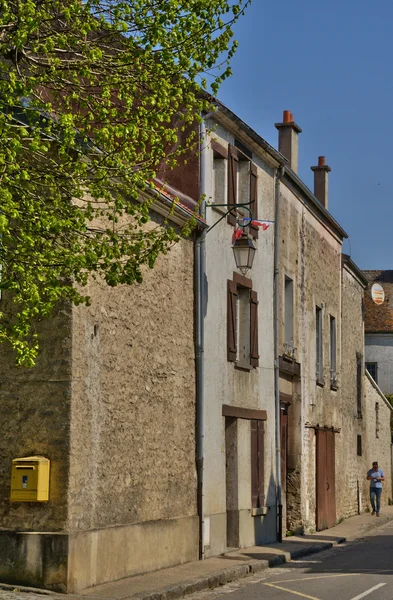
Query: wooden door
[(325, 480), (284, 449)]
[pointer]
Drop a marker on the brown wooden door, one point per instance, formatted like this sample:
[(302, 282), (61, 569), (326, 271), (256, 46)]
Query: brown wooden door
[(284, 449), (325, 480)]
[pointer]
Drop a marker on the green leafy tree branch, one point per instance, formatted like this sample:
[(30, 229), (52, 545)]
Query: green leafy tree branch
[(93, 97)]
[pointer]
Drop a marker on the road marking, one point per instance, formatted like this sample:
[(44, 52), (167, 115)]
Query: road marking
[(367, 592), (278, 587), (320, 577)]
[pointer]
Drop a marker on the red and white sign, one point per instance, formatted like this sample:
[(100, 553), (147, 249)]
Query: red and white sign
[(377, 293)]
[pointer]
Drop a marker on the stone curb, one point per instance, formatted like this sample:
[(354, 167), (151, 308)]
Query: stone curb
[(227, 575), (28, 590)]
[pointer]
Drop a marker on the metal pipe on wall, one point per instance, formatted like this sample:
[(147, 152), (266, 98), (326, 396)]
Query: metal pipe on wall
[(200, 269), (278, 176)]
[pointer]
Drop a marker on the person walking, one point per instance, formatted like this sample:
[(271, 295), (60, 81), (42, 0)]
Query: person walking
[(375, 476)]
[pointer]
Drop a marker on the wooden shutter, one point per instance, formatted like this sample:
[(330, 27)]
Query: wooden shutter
[(254, 355), (254, 197), (231, 321), (257, 463), (359, 387), (319, 355), (232, 181), (261, 463), (254, 464)]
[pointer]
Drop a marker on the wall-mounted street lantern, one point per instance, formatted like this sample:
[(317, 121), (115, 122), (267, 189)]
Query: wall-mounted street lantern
[(243, 248), (244, 252)]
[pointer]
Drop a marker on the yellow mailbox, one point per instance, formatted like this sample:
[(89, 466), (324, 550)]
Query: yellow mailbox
[(30, 479)]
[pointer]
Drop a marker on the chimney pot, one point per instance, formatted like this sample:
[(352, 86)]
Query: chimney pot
[(321, 181), (288, 133)]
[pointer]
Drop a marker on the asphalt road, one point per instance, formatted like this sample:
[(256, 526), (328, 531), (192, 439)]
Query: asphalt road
[(353, 571)]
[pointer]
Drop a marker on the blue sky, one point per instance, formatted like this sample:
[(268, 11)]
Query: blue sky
[(330, 64)]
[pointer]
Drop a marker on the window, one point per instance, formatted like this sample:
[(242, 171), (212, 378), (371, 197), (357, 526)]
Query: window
[(220, 161), (377, 420), (242, 183), (288, 317), (257, 464), (333, 353), (359, 382), (359, 445), (242, 323), (372, 368), (319, 345)]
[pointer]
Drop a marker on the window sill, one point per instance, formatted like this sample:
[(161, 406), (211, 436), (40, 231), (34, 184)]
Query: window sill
[(334, 387), (243, 367), (321, 382), (257, 512)]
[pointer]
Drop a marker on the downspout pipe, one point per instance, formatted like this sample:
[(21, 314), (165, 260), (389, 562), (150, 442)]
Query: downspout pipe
[(200, 270), (279, 175)]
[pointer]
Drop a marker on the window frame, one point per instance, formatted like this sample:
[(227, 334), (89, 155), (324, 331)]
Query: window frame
[(289, 316), (375, 364), (319, 345), (239, 281), (333, 352)]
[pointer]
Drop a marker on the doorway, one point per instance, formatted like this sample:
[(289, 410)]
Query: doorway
[(325, 479)]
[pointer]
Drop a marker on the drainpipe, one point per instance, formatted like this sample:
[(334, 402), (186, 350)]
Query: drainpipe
[(199, 347), (279, 175)]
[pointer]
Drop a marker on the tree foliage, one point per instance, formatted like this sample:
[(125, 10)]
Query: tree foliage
[(93, 94)]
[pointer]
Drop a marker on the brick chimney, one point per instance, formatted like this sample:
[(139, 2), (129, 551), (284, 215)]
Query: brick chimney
[(321, 181), (288, 142)]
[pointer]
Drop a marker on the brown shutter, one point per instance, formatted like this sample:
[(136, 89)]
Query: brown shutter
[(261, 463), (254, 464), (254, 355), (232, 181), (231, 321), (254, 197)]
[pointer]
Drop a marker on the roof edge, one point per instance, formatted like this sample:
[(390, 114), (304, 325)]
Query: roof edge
[(347, 261), (378, 389), (282, 161)]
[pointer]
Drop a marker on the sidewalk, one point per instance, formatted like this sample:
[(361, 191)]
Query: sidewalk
[(176, 582)]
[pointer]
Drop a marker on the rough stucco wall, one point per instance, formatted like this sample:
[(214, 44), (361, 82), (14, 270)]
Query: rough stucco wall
[(133, 413), (34, 420), (226, 384), (311, 256), (378, 448), (351, 484)]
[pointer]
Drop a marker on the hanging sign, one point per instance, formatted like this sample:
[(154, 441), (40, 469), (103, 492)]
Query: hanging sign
[(377, 293)]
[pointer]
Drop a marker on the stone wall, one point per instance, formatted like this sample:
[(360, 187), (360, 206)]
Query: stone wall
[(310, 255), (35, 420), (351, 468), (379, 437), (132, 455)]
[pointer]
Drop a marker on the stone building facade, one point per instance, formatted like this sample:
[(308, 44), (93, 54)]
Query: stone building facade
[(365, 412), (111, 403), (326, 436)]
